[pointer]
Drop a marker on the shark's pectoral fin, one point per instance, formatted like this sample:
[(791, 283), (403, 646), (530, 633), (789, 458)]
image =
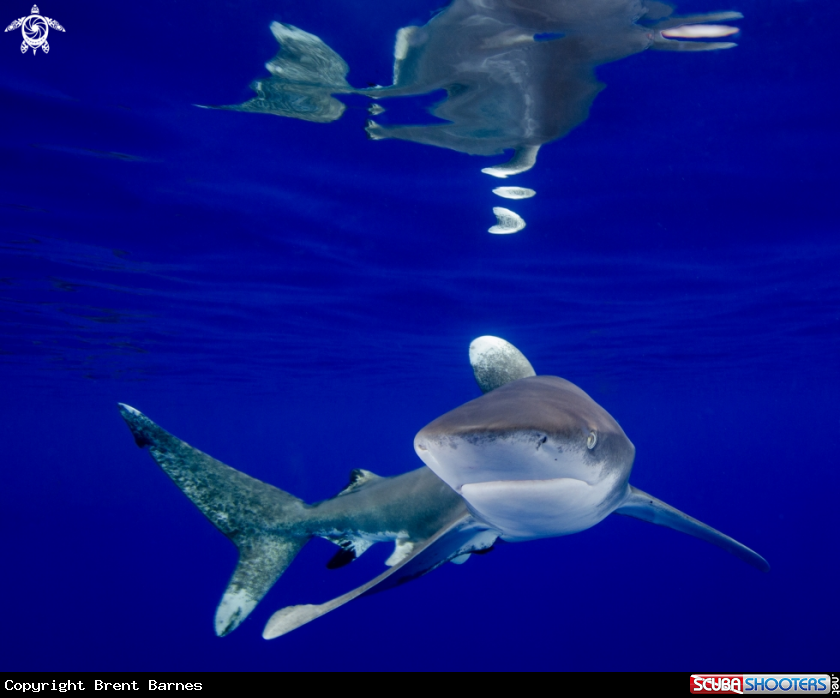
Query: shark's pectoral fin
[(641, 505), (461, 536), (266, 524)]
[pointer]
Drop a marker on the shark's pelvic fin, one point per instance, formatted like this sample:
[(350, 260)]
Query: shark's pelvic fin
[(641, 505), (266, 524)]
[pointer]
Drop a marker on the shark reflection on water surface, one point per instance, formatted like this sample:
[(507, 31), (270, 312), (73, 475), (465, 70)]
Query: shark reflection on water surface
[(516, 73)]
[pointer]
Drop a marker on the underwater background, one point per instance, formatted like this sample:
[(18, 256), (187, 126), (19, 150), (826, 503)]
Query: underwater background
[(297, 301)]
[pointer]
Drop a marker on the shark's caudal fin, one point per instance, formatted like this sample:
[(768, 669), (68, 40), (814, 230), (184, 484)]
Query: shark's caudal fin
[(641, 505), (265, 523)]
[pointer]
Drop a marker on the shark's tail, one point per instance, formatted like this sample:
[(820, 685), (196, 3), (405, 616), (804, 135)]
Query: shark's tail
[(266, 524)]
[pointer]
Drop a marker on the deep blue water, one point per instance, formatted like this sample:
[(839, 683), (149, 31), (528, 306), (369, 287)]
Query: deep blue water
[(298, 300)]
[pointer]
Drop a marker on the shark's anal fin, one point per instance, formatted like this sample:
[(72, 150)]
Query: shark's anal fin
[(641, 505), (265, 523), (461, 536)]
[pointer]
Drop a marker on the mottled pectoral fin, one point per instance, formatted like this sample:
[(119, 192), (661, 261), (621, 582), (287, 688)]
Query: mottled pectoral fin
[(641, 505), (451, 541)]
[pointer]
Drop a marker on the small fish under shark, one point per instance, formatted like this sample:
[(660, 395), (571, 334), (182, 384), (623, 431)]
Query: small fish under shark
[(533, 457)]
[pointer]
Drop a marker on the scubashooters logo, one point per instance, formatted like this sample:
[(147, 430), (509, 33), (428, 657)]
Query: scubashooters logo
[(35, 28), (787, 684)]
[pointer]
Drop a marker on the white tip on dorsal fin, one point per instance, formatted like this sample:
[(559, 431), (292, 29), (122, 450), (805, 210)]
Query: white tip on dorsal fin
[(496, 362)]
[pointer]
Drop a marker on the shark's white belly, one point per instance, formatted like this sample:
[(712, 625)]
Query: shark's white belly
[(527, 509)]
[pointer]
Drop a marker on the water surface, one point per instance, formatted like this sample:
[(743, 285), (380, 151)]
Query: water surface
[(297, 300)]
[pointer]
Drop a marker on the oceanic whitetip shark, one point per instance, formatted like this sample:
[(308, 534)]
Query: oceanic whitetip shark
[(516, 73), (534, 457)]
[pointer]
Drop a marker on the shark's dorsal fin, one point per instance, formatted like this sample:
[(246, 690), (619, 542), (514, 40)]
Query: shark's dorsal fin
[(496, 362), (641, 505), (461, 536)]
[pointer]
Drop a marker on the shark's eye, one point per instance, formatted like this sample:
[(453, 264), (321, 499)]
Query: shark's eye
[(592, 439)]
